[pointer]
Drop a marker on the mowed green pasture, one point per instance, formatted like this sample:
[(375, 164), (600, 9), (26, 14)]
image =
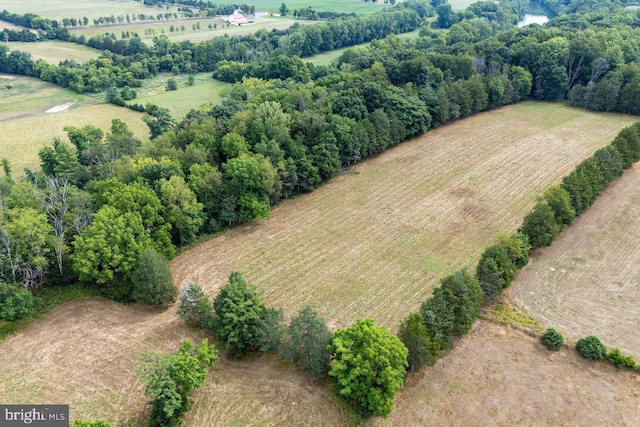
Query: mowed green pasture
[(375, 241), (59, 9), (55, 51), (148, 30), (26, 127), (181, 101), (340, 6)]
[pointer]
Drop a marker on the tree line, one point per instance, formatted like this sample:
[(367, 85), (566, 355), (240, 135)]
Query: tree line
[(141, 61)]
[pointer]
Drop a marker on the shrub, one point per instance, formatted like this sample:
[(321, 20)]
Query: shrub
[(552, 339), (172, 85), (620, 360), (152, 280), (15, 302), (97, 423), (592, 348)]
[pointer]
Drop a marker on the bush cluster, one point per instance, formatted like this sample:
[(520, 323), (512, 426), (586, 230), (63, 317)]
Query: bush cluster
[(552, 339), (592, 348)]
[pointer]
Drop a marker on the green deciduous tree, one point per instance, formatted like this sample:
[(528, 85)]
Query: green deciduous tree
[(182, 208), (169, 379), (560, 203), (152, 280), (306, 342), (15, 302), (540, 226), (108, 250), (414, 335), (369, 363), (238, 310), (552, 339)]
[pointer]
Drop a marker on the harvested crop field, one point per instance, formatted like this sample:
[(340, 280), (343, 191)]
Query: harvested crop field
[(82, 353), (375, 241), (588, 281), (497, 376), (372, 242)]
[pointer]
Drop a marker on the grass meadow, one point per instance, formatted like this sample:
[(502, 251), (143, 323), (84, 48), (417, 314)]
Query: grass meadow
[(54, 51), (181, 101), (327, 58), (26, 127)]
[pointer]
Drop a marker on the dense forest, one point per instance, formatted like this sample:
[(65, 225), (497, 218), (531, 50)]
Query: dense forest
[(108, 210)]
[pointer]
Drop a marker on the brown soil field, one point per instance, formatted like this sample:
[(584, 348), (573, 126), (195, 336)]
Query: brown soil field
[(588, 281), (497, 376), (374, 242), (82, 353)]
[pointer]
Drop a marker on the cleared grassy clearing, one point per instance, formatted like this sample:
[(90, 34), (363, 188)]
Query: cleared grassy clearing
[(588, 282), (327, 58), (374, 243), (10, 26), (498, 376), (181, 101), (54, 51), (59, 9), (26, 128)]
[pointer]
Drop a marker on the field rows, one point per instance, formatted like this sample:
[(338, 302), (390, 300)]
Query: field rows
[(375, 242), (370, 243), (588, 282)]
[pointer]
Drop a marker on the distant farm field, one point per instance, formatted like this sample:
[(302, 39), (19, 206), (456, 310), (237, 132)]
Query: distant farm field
[(588, 281), (181, 101), (148, 30), (54, 51), (26, 127), (377, 239), (59, 9), (339, 6)]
